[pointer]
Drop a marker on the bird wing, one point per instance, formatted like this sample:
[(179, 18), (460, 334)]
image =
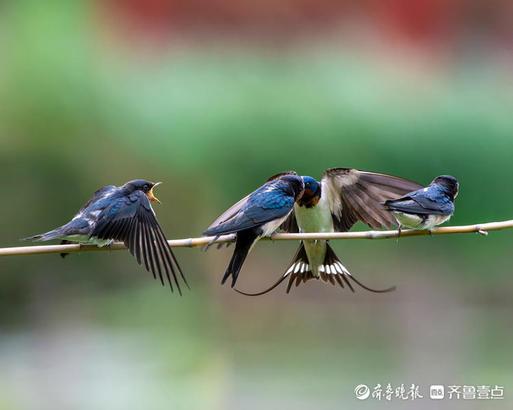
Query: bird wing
[(422, 202), (290, 225), (131, 219), (234, 210), (264, 205), (228, 214), (355, 195), (97, 195)]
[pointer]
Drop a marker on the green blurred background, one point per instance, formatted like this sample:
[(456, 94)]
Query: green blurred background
[(212, 98)]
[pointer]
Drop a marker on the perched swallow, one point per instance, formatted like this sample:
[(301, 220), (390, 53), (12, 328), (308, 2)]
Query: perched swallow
[(257, 215), (343, 197), (123, 214), (427, 207)]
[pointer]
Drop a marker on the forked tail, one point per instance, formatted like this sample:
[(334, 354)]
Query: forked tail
[(47, 236), (331, 271)]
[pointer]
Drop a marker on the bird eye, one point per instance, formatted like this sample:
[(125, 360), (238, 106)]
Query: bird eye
[(146, 187)]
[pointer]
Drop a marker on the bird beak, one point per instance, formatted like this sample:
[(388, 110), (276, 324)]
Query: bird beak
[(150, 194)]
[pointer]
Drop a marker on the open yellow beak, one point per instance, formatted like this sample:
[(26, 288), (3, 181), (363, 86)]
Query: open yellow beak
[(150, 194)]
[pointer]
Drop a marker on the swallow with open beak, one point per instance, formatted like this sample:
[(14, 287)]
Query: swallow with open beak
[(124, 214), (257, 215), (427, 207), (343, 197)]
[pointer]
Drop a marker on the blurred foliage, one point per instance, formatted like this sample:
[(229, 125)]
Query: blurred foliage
[(213, 121)]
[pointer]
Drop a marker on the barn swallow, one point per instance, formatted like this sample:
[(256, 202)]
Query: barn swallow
[(257, 215), (427, 207), (123, 214), (343, 197)]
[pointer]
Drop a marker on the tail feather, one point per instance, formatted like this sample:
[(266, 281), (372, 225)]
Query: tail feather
[(47, 236), (243, 244), (32, 238), (332, 271), (299, 270)]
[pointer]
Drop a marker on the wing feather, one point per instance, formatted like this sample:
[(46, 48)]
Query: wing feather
[(235, 208), (290, 225), (416, 204), (266, 204), (131, 219), (355, 195)]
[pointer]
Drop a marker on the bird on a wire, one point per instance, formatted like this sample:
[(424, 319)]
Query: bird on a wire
[(124, 214), (427, 207), (343, 197), (257, 215)]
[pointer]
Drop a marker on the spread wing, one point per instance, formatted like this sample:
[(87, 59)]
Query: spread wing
[(131, 219), (355, 195)]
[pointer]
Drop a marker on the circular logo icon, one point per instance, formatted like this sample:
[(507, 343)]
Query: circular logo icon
[(362, 392)]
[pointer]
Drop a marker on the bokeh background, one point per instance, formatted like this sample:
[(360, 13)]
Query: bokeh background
[(212, 98)]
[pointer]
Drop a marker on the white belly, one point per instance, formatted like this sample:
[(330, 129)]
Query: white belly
[(416, 222), (435, 220), (315, 219)]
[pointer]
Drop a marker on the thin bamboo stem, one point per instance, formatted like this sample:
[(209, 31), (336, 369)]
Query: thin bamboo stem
[(482, 229)]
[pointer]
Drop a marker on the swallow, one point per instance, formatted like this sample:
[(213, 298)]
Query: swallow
[(343, 197), (427, 207), (124, 214), (257, 215)]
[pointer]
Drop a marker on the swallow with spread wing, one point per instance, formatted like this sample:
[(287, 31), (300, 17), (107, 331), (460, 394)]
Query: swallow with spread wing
[(123, 214), (343, 197), (427, 207), (257, 215)]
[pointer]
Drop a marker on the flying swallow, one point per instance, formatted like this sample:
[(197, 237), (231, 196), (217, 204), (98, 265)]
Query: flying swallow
[(257, 215), (123, 214), (427, 207), (343, 197)]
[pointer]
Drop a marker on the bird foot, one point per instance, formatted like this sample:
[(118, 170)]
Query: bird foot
[(208, 245)]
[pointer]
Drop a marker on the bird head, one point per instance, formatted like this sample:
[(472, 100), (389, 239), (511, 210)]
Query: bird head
[(449, 184), (312, 192), (144, 186)]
